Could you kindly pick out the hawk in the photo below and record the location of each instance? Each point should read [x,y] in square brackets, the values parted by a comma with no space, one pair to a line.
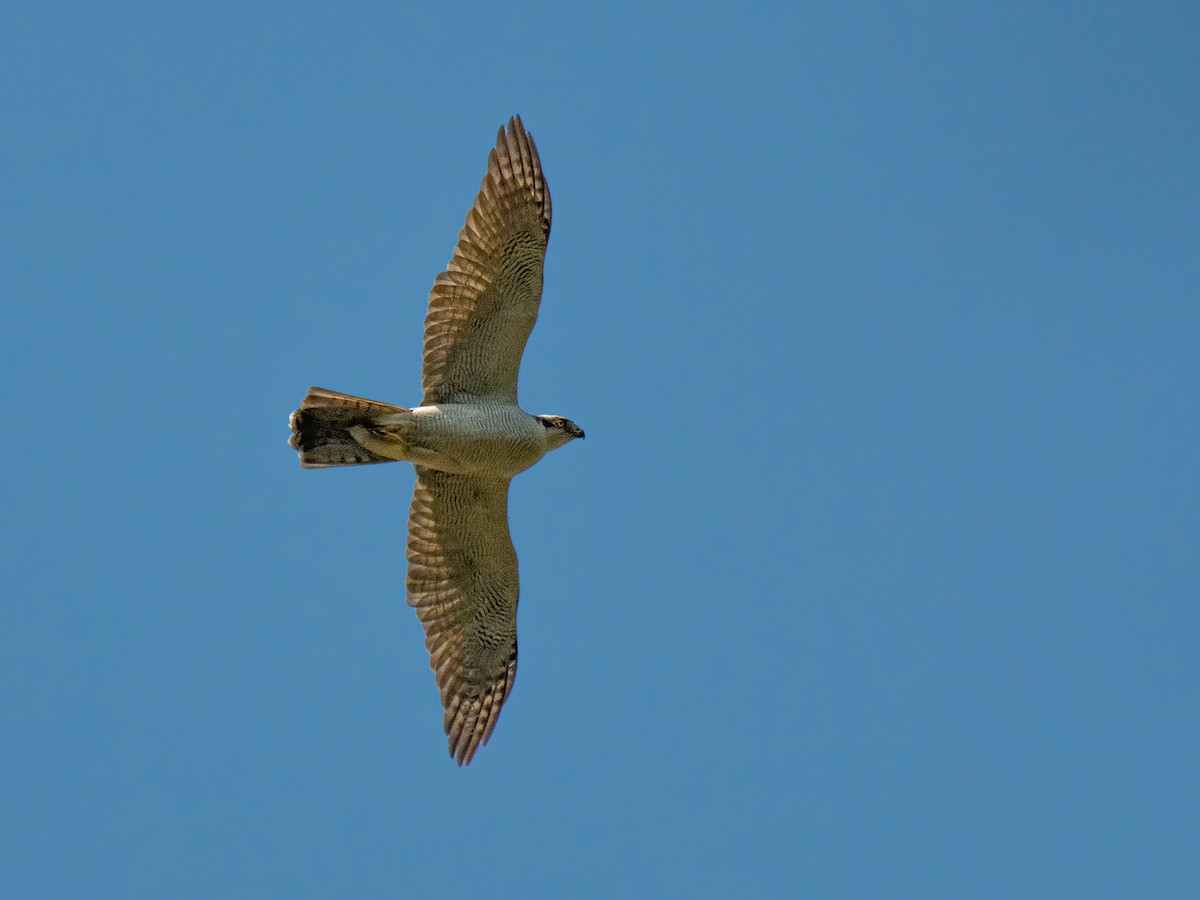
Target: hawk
[466,440]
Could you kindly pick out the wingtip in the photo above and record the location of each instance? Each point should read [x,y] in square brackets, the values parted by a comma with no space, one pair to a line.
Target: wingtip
[513,131]
[463,747]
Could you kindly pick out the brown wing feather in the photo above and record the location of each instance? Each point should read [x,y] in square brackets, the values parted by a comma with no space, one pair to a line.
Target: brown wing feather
[462,580]
[482,308]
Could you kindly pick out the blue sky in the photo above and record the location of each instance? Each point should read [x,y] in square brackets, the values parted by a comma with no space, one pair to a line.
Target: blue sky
[877,575]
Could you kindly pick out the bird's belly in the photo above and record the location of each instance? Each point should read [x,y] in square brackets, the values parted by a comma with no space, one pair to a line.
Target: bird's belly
[475,440]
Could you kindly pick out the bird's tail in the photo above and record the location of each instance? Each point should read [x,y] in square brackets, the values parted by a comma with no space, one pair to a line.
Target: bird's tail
[321,428]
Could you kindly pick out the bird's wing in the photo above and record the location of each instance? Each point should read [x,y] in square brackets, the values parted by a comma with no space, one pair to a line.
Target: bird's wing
[462,580]
[482,308]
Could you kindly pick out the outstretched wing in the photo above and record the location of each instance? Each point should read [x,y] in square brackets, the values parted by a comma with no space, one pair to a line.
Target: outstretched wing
[462,579]
[482,308]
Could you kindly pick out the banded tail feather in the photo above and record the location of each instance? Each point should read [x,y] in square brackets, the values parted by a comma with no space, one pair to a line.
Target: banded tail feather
[321,428]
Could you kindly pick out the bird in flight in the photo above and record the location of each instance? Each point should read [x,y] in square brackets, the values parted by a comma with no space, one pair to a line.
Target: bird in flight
[466,440]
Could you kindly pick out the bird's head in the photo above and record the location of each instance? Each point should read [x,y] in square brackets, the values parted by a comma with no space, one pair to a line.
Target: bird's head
[559,430]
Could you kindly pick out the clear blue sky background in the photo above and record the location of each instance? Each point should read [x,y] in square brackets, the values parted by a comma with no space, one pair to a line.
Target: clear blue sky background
[876,577]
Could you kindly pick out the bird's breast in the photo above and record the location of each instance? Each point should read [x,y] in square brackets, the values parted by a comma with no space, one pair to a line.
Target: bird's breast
[488,439]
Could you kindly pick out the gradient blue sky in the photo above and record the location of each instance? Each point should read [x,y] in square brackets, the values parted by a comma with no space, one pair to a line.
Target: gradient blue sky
[876,577]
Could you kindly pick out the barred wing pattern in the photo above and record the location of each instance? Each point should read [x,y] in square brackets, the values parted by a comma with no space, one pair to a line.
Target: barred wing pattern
[482,308]
[462,580]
